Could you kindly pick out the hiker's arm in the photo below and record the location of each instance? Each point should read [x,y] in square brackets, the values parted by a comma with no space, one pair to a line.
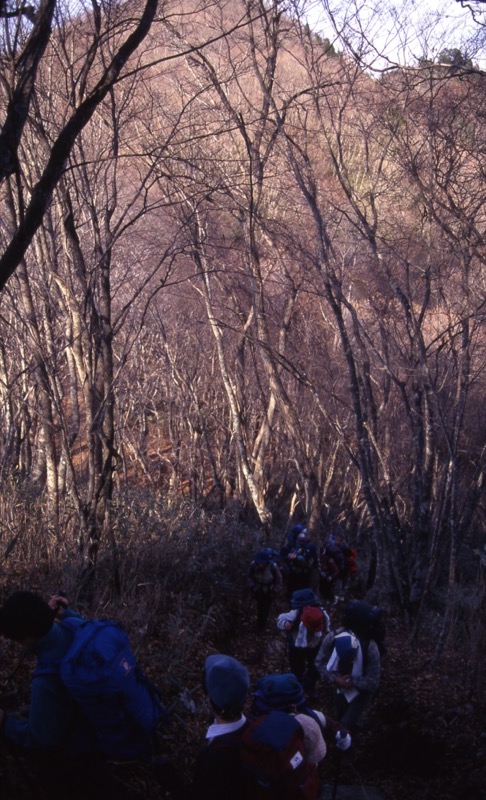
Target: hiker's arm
[59,604]
[250,582]
[337,734]
[370,681]
[333,732]
[278,578]
[323,657]
[286,621]
[327,621]
[333,569]
[47,724]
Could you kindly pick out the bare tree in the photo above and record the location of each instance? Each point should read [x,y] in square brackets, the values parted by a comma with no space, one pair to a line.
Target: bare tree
[23,61]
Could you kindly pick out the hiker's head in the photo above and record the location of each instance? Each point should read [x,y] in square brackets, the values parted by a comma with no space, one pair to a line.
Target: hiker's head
[303,597]
[352,621]
[303,537]
[278,692]
[262,558]
[25,617]
[296,529]
[227,683]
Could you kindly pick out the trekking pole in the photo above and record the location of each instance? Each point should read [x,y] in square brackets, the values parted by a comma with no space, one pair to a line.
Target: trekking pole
[336,777]
[361,783]
[284,656]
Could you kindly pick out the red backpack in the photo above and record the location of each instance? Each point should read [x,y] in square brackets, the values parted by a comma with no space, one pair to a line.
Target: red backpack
[313,619]
[273,760]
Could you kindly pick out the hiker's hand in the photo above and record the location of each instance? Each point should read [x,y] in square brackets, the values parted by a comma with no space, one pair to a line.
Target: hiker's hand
[344,682]
[343,740]
[287,626]
[58,603]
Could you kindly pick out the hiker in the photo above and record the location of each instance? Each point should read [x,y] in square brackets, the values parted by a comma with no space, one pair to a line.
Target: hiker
[348,565]
[301,564]
[59,736]
[332,569]
[283,692]
[352,570]
[264,583]
[329,572]
[292,538]
[245,757]
[350,659]
[305,625]
[217,767]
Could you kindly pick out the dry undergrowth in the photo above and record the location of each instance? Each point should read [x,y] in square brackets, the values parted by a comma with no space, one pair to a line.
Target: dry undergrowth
[179,590]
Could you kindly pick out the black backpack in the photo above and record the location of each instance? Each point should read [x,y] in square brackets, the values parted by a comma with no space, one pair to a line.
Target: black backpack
[367,622]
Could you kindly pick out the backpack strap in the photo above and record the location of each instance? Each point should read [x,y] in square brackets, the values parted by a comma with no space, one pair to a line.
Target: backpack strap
[49,665]
[364,643]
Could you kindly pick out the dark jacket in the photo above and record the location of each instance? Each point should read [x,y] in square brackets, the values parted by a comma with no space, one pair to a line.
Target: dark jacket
[53,721]
[217,769]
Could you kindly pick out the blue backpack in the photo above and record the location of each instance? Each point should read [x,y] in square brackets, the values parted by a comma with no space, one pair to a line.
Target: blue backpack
[100,673]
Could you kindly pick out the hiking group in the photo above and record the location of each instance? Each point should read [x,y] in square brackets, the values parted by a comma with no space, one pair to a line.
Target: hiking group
[91,705]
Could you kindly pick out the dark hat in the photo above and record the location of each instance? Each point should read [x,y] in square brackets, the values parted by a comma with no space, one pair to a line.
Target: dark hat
[25,615]
[297,529]
[303,597]
[263,556]
[227,682]
[279,692]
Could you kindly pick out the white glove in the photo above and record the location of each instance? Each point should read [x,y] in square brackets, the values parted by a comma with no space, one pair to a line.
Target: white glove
[343,740]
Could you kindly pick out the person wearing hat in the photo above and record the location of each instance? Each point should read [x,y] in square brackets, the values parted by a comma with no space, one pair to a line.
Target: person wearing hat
[216,771]
[54,738]
[352,666]
[64,751]
[305,625]
[28,619]
[283,692]
[301,564]
[264,583]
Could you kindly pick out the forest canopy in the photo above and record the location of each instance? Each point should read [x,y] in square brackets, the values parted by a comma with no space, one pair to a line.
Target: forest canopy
[240,269]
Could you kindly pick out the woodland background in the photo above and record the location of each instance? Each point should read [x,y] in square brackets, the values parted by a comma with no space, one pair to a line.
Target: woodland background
[243,284]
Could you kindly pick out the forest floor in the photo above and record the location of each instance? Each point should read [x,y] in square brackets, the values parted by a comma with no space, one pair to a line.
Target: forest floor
[425,734]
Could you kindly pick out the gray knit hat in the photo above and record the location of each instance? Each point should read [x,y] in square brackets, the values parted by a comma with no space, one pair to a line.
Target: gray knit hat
[227,682]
